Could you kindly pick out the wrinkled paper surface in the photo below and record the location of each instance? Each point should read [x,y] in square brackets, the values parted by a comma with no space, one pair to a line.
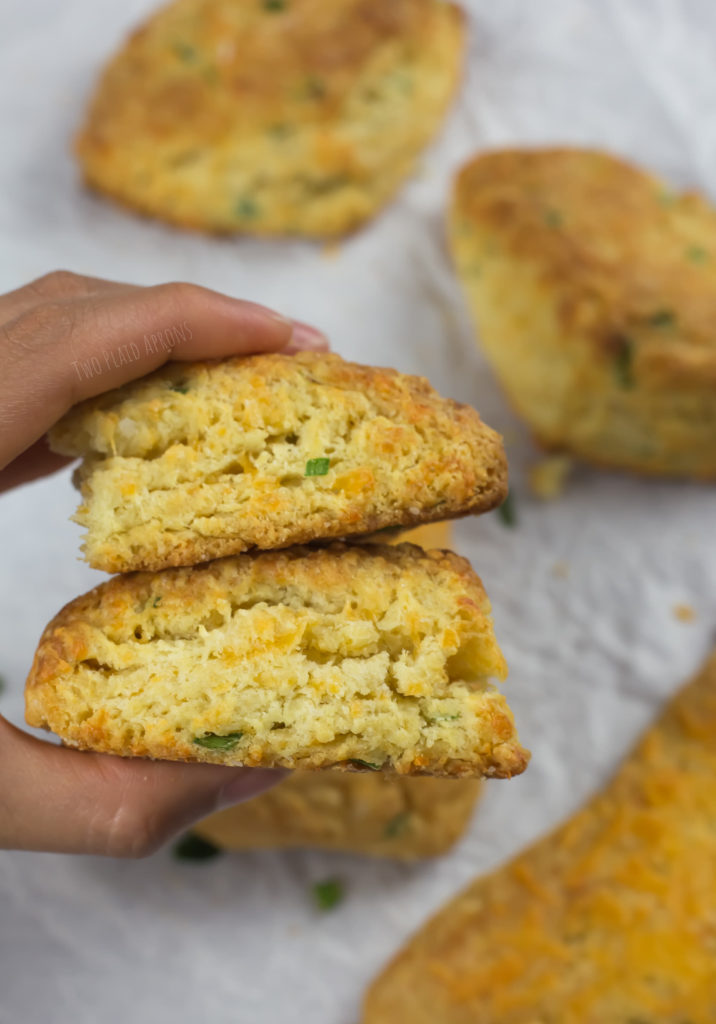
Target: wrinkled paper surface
[592,653]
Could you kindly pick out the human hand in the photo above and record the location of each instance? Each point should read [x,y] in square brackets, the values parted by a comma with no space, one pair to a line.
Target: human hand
[64,338]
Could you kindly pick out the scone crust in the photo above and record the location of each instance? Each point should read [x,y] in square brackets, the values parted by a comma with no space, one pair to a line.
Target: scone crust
[593,287]
[400,454]
[609,919]
[146,663]
[372,814]
[273,117]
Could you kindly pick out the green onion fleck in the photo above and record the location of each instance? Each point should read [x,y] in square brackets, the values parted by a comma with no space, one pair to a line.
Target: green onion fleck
[3,685]
[184,52]
[667,198]
[193,847]
[328,894]
[315,88]
[507,511]
[662,318]
[280,130]
[157,601]
[624,363]
[696,254]
[211,741]
[398,825]
[274,5]
[180,387]
[247,208]
[444,718]
[553,219]
[317,467]
[364,764]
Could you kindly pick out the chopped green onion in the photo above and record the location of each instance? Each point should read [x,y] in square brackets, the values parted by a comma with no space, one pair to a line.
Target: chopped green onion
[211,741]
[193,847]
[328,894]
[157,601]
[317,467]
[247,208]
[553,219]
[274,5]
[181,387]
[3,684]
[696,254]
[398,825]
[184,52]
[444,718]
[315,88]
[624,363]
[280,130]
[364,764]
[662,318]
[507,511]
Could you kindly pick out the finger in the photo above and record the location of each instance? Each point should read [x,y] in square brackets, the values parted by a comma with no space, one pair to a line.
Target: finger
[57,354]
[60,285]
[38,461]
[35,462]
[64,801]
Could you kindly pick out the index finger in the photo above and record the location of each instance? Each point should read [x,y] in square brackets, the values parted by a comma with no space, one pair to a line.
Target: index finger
[59,353]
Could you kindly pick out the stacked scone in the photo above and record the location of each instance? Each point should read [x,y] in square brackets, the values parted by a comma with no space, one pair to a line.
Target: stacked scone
[292,647]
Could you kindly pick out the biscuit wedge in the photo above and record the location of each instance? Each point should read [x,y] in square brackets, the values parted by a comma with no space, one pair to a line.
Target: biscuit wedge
[610,919]
[358,658]
[593,288]
[373,814]
[271,117]
[201,460]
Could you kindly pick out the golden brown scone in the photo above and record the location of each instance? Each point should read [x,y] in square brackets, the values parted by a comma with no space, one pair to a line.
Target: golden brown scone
[373,814]
[352,657]
[593,286]
[201,460]
[610,920]
[271,117]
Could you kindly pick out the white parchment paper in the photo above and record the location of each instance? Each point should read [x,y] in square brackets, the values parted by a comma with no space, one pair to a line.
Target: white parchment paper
[592,653]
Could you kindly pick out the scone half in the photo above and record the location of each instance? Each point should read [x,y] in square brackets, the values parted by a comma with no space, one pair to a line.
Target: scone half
[201,460]
[365,658]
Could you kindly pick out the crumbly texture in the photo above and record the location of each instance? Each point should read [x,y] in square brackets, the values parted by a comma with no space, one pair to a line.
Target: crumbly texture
[365,658]
[593,287]
[271,117]
[610,920]
[374,814]
[201,460]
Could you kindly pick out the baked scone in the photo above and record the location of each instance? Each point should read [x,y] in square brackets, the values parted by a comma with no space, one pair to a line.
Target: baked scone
[271,117]
[593,286]
[367,658]
[378,815]
[201,460]
[610,920]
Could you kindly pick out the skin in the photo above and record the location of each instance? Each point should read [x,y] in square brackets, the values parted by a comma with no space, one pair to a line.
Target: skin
[51,798]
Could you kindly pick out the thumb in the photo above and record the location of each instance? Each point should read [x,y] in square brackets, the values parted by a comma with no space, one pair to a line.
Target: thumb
[64,801]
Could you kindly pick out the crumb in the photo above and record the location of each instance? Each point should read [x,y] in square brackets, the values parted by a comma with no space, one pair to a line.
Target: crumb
[331,250]
[548,476]
[560,570]
[684,612]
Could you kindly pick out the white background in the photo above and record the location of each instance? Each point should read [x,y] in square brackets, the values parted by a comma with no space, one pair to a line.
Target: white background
[592,655]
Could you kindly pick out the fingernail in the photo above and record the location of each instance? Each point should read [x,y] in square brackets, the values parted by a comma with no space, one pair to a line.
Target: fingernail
[305,338]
